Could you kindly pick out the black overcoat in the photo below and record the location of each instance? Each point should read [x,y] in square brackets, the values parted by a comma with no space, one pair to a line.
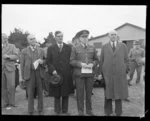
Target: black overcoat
[59,61]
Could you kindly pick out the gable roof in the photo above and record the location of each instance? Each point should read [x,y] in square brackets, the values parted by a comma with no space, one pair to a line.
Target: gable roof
[125,24]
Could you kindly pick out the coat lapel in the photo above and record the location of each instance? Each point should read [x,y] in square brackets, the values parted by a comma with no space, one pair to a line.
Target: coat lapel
[110,48]
[117,47]
[29,52]
[63,49]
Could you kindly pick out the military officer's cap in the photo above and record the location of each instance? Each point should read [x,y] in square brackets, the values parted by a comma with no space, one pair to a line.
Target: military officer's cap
[136,43]
[81,33]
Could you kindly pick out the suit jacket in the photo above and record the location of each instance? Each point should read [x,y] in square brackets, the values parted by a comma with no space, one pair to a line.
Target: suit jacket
[9,64]
[59,61]
[26,62]
[80,54]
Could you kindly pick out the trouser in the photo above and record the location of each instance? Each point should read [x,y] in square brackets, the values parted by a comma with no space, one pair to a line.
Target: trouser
[35,93]
[8,88]
[61,104]
[32,83]
[81,84]
[108,107]
[138,68]
[16,77]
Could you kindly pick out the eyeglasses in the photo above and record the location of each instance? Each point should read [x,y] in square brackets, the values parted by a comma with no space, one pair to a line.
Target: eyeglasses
[84,36]
[32,38]
[60,36]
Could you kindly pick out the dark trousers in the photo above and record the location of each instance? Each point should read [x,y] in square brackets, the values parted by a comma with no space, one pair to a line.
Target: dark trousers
[135,67]
[61,104]
[32,83]
[8,88]
[16,77]
[108,107]
[81,85]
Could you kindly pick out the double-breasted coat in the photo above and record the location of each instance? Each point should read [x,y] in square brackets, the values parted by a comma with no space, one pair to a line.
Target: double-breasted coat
[114,65]
[59,61]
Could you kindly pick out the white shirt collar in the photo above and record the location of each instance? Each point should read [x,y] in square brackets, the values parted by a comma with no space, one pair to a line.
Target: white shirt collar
[84,44]
[112,43]
[32,48]
[60,44]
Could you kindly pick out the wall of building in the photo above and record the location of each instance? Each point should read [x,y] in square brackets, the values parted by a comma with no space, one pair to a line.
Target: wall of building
[126,33]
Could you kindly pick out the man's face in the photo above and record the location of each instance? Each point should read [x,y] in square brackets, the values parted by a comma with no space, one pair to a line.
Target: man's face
[113,37]
[83,39]
[32,41]
[4,39]
[48,44]
[59,38]
[136,46]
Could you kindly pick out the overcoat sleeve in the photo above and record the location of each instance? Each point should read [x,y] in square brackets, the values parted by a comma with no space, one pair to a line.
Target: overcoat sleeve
[101,60]
[126,58]
[22,63]
[49,60]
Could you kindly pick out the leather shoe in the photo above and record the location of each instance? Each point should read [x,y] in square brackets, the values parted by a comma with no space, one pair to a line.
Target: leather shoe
[90,114]
[31,113]
[80,113]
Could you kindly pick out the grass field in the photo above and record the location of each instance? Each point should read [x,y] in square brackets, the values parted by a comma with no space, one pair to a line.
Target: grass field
[134,108]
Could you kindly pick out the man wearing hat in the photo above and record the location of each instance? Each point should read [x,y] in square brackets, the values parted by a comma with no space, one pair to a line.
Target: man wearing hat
[135,55]
[113,65]
[83,59]
[9,56]
[30,62]
[58,57]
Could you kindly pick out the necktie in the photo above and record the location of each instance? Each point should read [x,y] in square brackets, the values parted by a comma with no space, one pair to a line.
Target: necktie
[85,46]
[60,47]
[113,46]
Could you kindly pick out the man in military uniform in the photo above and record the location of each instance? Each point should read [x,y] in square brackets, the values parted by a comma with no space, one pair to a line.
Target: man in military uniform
[82,56]
[135,55]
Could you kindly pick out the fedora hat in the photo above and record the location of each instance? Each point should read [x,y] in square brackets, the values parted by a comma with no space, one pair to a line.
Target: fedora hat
[55,80]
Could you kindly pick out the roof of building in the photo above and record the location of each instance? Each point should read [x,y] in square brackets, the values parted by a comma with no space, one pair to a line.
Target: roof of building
[125,24]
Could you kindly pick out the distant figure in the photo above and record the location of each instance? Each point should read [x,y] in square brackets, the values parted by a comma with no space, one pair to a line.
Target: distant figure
[135,55]
[113,64]
[45,80]
[9,56]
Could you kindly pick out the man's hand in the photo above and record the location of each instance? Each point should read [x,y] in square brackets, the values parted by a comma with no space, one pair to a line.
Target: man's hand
[99,77]
[5,56]
[91,64]
[41,61]
[83,64]
[54,72]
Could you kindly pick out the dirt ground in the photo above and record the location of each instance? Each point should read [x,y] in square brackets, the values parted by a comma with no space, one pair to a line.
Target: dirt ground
[134,108]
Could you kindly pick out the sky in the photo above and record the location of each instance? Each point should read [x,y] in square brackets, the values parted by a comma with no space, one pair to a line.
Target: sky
[42,19]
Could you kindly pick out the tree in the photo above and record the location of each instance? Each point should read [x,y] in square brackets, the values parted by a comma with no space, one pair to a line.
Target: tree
[49,39]
[18,38]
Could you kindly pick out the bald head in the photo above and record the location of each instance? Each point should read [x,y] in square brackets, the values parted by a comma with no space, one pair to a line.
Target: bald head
[113,35]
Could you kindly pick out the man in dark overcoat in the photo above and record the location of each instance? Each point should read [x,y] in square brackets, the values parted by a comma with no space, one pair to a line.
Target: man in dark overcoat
[114,63]
[58,58]
[30,63]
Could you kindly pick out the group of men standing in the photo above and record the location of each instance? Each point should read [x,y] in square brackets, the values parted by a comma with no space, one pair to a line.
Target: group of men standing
[76,63]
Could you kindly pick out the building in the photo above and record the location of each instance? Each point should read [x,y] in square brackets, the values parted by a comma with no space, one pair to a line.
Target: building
[127,33]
